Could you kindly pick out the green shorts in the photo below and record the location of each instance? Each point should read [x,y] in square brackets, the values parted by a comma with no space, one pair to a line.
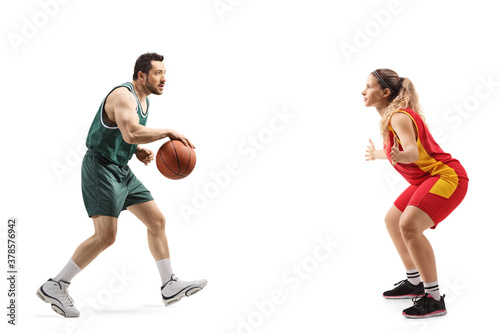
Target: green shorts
[108,188]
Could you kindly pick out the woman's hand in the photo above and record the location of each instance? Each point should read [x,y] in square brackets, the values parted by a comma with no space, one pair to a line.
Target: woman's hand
[373,154]
[395,153]
[370,151]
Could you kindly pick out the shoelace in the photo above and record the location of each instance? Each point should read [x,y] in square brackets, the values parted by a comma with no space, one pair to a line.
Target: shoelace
[421,301]
[400,283]
[173,278]
[65,291]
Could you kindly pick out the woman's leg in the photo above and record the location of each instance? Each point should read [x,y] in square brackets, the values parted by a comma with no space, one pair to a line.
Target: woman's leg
[413,223]
[392,221]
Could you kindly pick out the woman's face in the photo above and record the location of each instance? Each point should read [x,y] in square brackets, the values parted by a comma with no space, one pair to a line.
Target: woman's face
[373,95]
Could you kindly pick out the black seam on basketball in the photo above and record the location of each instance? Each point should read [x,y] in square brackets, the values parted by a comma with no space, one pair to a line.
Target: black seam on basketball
[176,174]
[176,157]
[189,160]
[164,162]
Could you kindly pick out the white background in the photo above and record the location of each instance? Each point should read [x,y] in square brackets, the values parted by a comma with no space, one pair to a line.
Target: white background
[228,73]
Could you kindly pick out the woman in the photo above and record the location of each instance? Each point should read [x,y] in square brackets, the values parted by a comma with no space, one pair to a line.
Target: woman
[438,184]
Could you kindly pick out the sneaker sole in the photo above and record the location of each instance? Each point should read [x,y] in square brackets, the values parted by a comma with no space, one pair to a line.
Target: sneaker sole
[409,296]
[54,307]
[181,294]
[433,314]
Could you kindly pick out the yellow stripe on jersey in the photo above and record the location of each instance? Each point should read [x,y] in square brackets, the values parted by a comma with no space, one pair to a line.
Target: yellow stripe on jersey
[448,180]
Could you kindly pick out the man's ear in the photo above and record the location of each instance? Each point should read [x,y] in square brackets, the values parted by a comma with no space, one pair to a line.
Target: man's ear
[141,75]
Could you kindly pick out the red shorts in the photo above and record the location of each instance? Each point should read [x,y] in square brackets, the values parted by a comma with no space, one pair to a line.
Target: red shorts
[436,206]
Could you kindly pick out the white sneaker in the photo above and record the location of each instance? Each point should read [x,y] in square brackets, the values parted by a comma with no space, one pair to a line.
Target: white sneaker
[56,293]
[175,289]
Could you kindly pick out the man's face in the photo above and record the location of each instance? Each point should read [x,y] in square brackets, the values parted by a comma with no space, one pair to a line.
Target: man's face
[155,79]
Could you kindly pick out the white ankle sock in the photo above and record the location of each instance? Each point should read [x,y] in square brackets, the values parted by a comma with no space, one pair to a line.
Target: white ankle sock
[413,276]
[68,272]
[165,269]
[432,288]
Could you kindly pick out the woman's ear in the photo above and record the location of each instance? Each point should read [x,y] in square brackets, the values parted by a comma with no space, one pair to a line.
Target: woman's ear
[387,93]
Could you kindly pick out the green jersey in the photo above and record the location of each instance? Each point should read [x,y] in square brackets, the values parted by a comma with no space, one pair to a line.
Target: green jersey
[107,140]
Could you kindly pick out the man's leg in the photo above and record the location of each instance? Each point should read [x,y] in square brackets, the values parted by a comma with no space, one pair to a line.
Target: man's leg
[103,237]
[149,214]
[172,289]
[55,291]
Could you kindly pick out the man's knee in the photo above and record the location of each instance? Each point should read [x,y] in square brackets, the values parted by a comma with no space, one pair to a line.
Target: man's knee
[157,226]
[106,238]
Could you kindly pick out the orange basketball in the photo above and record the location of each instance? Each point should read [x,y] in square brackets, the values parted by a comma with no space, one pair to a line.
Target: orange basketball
[175,160]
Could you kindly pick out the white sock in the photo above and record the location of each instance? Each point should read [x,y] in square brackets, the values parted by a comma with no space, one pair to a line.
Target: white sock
[413,276]
[165,269]
[432,288]
[68,272]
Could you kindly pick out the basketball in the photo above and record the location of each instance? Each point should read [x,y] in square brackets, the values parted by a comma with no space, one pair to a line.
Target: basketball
[175,160]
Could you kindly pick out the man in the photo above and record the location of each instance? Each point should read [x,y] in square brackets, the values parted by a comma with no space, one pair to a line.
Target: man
[109,186]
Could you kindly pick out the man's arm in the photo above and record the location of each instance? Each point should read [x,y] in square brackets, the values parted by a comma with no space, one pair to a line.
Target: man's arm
[123,105]
[126,118]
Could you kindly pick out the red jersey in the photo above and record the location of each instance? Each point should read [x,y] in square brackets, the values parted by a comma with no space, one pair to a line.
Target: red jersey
[432,161]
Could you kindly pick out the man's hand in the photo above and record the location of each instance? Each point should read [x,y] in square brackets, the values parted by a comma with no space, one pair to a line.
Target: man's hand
[144,155]
[174,135]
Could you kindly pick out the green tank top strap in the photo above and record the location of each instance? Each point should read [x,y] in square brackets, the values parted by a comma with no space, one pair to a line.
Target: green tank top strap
[107,139]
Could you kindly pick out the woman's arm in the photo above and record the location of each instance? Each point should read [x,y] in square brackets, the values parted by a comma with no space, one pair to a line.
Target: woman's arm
[403,127]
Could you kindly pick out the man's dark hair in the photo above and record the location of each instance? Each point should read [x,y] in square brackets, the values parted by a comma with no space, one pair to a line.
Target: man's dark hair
[143,63]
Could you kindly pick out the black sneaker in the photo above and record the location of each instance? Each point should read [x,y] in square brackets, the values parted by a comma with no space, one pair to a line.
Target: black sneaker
[425,306]
[405,290]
